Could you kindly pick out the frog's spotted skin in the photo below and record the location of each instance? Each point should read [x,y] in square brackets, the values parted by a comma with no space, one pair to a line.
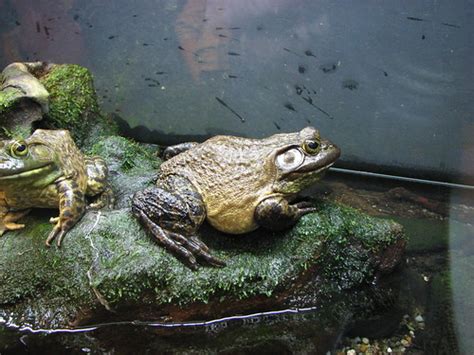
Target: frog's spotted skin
[238,184]
[47,170]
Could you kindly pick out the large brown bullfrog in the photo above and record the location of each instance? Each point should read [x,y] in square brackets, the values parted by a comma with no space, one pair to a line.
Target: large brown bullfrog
[47,170]
[238,184]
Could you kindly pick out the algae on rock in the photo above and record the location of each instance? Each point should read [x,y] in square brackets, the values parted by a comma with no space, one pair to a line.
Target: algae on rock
[73,103]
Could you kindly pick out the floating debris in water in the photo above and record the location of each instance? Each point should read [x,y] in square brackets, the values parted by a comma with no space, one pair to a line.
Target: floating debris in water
[230,109]
[299,90]
[290,51]
[153,80]
[450,25]
[328,68]
[290,106]
[301,69]
[350,84]
[233,53]
[111,37]
[414,18]
[309,53]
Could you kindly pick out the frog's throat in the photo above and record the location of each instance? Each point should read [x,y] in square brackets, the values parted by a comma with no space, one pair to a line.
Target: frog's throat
[41,171]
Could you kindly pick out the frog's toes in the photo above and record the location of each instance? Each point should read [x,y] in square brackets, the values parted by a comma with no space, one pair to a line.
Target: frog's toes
[58,233]
[10,226]
[197,248]
[59,230]
[105,200]
[173,242]
[54,220]
[8,221]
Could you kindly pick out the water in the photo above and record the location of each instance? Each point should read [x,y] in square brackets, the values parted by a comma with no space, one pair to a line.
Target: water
[426,300]
[361,72]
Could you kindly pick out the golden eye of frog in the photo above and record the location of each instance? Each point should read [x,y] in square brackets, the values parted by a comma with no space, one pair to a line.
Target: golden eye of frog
[47,170]
[238,184]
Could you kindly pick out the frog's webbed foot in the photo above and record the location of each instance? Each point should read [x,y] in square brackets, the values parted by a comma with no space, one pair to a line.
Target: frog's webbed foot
[104,200]
[98,186]
[8,221]
[187,249]
[276,213]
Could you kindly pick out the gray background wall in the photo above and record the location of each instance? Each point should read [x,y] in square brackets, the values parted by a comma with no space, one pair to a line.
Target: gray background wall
[391,82]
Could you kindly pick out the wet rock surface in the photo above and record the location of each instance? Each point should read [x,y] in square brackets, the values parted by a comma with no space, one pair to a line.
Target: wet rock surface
[109,269]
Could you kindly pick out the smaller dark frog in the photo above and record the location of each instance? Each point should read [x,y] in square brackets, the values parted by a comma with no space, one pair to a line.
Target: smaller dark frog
[237,184]
[47,170]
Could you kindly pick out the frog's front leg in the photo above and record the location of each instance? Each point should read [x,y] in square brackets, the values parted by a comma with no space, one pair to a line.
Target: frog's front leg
[276,213]
[8,219]
[97,184]
[71,208]
[173,150]
[173,219]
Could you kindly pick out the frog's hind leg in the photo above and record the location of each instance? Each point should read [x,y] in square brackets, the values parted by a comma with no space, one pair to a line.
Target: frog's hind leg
[173,218]
[8,219]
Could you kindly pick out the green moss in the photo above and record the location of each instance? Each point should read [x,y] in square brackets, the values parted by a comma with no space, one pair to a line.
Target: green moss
[7,98]
[132,156]
[18,133]
[73,103]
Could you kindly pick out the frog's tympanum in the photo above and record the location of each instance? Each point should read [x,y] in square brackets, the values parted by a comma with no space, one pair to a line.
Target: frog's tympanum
[238,184]
[47,170]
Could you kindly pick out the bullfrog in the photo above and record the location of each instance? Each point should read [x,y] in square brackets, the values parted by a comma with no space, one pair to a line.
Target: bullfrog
[237,184]
[47,170]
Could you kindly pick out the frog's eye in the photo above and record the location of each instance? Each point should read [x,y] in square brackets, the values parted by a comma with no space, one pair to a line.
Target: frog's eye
[311,146]
[290,159]
[19,149]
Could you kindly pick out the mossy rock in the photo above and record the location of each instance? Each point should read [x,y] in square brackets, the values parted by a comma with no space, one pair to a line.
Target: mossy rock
[73,103]
[109,268]
[23,99]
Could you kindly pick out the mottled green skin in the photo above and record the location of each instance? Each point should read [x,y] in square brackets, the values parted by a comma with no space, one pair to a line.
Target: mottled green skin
[237,184]
[48,172]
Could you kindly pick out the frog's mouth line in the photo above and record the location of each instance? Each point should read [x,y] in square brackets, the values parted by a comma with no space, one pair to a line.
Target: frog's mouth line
[29,173]
[309,171]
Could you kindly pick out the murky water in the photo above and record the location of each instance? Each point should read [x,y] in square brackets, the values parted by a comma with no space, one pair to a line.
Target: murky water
[424,307]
